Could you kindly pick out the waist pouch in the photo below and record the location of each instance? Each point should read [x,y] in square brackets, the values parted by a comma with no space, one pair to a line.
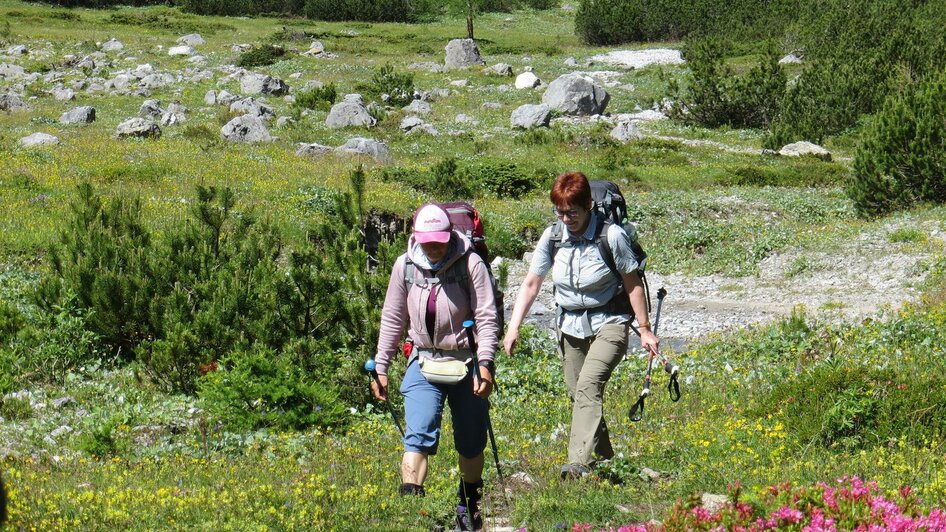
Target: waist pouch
[438,369]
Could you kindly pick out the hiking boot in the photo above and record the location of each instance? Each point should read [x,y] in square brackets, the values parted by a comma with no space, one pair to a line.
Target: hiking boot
[574,471]
[412,489]
[468,510]
[467,519]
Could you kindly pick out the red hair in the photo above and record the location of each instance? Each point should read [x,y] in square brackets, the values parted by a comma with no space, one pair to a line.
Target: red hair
[571,188]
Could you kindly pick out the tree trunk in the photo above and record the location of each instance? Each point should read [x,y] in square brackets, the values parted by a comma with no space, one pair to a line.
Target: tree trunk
[469,27]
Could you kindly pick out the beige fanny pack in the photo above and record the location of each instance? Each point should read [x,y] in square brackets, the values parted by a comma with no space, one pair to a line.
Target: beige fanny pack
[442,370]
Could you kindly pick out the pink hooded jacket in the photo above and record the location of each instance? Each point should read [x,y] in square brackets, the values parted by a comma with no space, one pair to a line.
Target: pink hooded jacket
[405,307]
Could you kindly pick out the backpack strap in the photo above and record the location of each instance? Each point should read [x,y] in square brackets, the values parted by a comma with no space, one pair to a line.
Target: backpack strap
[453,274]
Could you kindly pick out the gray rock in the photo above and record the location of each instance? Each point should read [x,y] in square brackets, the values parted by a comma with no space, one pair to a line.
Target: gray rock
[527,80]
[78,115]
[575,94]
[38,139]
[63,94]
[492,105]
[466,119]
[11,72]
[112,45]
[18,49]
[284,120]
[226,98]
[571,62]
[210,97]
[191,39]
[713,502]
[12,101]
[349,113]
[418,107]
[156,81]
[246,128]
[429,66]
[312,84]
[501,69]
[60,431]
[63,401]
[251,107]
[626,131]
[463,53]
[312,150]
[413,125]
[138,128]
[363,146]
[529,116]
[263,84]
[790,59]
[150,109]
[181,50]
[439,94]
[459,83]
[121,81]
[801,148]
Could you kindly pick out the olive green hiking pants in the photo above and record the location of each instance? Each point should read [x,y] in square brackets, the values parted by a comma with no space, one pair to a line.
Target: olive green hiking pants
[588,364]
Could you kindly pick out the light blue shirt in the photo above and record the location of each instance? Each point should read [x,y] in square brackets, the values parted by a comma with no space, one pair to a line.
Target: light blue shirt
[582,278]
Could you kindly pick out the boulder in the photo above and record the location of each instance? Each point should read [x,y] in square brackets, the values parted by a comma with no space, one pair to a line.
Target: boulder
[500,69]
[413,125]
[284,121]
[226,98]
[312,150]
[150,109]
[527,80]
[574,94]
[191,39]
[263,84]
[156,81]
[251,107]
[418,107]
[18,49]
[38,139]
[78,115]
[112,45]
[463,53]
[12,101]
[11,72]
[790,59]
[363,146]
[349,113]
[173,115]
[529,116]
[210,97]
[801,148]
[64,95]
[181,50]
[246,128]
[138,128]
[626,131]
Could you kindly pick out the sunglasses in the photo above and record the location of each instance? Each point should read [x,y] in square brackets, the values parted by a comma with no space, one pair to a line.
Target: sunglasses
[571,213]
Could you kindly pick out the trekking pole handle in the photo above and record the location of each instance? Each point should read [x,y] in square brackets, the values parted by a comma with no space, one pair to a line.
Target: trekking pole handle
[471,340]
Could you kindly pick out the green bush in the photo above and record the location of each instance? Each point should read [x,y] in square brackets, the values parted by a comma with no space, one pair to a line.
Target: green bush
[320,98]
[242,7]
[365,10]
[262,388]
[901,159]
[266,54]
[399,86]
[501,179]
[715,95]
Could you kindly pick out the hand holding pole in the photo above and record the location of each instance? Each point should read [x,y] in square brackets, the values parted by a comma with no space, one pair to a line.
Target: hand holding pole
[370,367]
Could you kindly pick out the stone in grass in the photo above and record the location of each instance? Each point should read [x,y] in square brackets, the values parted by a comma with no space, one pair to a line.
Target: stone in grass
[530,116]
[38,139]
[112,45]
[363,146]
[575,94]
[191,39]
[137,128]
[263,84]
[418,107]
[802,148]
[12,101]
[181,50]
[413,125]
[349,113]
[246,128]
[150,109]
[312,150]
[500,69]
[64,95]
[463,53]
[713,502]
[626,131]
[527,80]
[251,107]
[84,114]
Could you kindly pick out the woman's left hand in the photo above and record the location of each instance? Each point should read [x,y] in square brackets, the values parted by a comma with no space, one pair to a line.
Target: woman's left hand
[649,340]
[483,386]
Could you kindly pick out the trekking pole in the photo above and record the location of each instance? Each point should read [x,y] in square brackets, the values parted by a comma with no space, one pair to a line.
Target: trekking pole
[636,413]
[370,366]
[468,325]
[673,387]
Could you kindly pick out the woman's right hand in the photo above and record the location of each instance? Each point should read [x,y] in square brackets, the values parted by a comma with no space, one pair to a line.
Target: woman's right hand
[380,393]
[510,341]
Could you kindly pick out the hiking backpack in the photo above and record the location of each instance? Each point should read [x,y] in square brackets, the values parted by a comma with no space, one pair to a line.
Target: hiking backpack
[465,220]
[611,207]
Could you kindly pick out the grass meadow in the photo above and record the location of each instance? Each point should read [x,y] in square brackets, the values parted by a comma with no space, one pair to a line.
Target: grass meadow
[800,401]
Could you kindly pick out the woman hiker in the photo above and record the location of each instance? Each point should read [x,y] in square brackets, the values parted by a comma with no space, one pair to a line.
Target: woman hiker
[437,285]
[595,311]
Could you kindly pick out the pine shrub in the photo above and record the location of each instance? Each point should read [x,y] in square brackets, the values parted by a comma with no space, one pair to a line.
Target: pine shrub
[901,159]
[317,98]
[364,10]
[266,54]
[715,95]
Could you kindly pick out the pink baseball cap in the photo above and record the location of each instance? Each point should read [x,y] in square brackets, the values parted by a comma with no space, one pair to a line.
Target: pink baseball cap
[431,224]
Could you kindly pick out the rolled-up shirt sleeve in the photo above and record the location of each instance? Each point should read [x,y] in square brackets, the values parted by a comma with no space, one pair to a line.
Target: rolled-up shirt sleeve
[620,241]
[541,258]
